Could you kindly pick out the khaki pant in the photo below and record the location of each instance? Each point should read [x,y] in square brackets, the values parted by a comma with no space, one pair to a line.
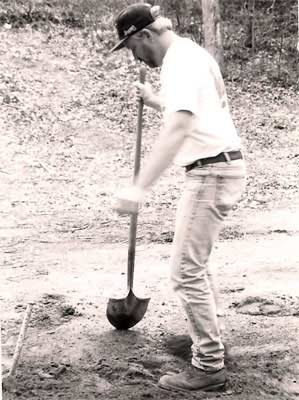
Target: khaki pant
[210,193]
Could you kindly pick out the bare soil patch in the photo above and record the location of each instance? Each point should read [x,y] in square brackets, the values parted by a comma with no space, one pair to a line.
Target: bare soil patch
[67,138]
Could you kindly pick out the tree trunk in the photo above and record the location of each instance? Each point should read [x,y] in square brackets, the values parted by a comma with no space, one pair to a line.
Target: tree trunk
[250,39]
[298,28]
[212,29]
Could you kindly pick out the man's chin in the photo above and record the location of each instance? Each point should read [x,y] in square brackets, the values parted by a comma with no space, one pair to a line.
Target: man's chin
[151,64]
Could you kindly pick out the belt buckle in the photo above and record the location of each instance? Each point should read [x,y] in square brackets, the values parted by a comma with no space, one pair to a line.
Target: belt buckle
[199,163]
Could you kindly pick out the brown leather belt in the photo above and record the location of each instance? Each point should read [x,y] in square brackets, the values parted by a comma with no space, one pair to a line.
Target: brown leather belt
[222,157]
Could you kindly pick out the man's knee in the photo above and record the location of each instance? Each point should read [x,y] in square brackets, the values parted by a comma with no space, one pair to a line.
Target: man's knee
[189,279]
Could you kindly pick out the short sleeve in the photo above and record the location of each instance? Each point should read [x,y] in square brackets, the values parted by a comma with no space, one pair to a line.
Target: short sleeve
[183,82]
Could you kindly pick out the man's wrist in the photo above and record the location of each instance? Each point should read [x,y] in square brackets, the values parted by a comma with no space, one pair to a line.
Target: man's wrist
[138,193]
[133,193]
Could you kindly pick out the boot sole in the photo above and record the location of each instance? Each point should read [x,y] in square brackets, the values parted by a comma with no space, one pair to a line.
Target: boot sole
[210,388]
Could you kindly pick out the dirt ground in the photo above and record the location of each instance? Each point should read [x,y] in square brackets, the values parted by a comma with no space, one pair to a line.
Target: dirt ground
[67,128]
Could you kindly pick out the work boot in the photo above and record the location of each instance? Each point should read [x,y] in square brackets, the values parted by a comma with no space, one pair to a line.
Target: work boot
[194,379]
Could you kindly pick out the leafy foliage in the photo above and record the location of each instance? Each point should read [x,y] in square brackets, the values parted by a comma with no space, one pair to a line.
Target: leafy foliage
[272,25]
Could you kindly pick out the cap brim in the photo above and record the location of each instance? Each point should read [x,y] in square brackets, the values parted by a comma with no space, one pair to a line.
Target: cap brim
[119,45]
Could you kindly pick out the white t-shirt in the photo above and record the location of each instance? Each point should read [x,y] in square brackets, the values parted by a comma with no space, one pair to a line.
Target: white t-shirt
[191,81]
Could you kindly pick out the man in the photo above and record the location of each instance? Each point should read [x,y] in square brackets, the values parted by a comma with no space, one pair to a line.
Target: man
[198,135]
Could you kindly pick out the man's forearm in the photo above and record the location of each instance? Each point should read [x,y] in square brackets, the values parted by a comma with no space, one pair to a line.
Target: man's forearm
[161,156]
[163,152]
[156,103]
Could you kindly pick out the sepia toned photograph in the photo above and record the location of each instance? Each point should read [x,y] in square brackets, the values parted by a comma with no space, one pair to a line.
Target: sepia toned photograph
[149,201]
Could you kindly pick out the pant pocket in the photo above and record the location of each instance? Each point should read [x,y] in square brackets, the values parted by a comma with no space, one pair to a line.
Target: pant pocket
[229,192]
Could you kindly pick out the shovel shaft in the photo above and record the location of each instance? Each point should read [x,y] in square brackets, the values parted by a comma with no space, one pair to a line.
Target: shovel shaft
[131,250]
[134,217]
[139,128]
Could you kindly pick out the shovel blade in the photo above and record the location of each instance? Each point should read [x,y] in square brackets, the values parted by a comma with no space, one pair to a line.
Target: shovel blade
[124,313]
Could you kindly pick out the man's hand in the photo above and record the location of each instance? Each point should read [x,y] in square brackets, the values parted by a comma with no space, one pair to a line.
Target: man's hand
[128,200]
[146,93]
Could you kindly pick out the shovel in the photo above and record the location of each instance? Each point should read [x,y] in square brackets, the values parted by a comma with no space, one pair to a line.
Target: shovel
[127,312]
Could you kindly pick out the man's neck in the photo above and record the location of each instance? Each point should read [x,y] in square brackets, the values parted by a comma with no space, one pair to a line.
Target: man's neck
[167,38]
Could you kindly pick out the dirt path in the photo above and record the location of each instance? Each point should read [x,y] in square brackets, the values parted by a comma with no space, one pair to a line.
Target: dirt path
[64,148]
[71,344]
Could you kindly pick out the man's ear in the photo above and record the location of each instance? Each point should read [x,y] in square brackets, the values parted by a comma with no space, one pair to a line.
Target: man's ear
[147,34]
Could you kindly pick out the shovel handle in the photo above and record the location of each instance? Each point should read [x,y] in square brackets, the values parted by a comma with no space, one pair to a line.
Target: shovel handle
[133,218]
[139,127]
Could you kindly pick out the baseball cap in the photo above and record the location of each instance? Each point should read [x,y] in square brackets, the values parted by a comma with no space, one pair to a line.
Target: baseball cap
[133,19]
